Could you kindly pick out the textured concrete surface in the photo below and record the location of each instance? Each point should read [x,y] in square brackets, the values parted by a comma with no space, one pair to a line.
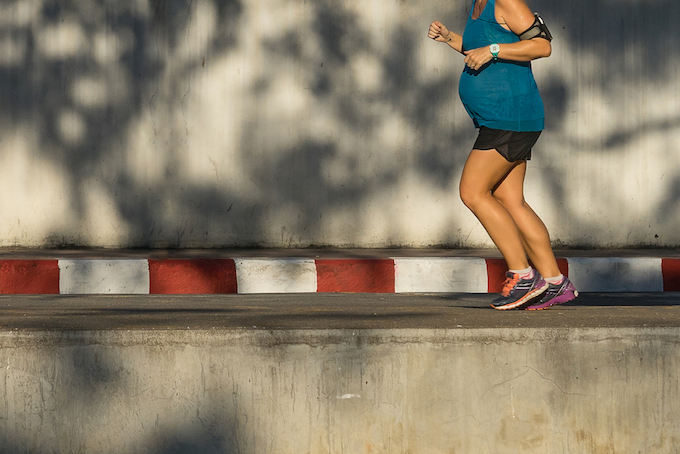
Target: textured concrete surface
[338,374]
[210,123]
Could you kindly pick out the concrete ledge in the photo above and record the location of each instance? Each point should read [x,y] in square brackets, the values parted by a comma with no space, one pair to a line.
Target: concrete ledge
[552,390]
[307,275]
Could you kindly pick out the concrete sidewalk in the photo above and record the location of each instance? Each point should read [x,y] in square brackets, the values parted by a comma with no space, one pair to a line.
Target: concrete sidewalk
[313,311]
[247,271]
[337,374]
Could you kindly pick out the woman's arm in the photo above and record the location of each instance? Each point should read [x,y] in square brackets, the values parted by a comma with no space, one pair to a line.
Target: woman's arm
[441,34]
[528,50]
[516,16]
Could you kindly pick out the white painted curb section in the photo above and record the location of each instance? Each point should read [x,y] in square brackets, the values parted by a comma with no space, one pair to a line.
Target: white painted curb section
[265,275]
[440,275]
[95,276]
[616,274]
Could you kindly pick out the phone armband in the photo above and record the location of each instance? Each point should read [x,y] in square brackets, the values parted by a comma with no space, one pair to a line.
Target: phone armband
[537,30]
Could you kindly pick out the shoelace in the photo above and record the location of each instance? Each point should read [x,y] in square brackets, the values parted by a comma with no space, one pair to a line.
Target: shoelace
[509,284]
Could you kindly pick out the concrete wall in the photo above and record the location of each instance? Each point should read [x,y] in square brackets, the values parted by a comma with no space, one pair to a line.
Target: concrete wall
[558,391]
[204,123]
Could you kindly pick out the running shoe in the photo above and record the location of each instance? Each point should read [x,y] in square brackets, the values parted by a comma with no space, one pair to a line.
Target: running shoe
[518,292]
[556,294]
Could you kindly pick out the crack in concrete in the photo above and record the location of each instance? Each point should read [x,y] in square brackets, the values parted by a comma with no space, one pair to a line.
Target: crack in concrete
[509,380]
[528,369]
[558,386]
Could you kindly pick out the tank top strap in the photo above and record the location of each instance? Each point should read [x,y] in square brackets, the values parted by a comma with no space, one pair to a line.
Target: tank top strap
[489,12]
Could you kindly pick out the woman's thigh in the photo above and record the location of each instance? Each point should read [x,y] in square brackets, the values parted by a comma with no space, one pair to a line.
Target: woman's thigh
[484,172]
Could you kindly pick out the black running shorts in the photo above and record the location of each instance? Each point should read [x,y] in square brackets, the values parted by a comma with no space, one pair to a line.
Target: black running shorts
[513,146]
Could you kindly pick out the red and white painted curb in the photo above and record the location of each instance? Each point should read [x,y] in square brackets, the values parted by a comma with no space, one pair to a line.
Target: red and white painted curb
[300,275]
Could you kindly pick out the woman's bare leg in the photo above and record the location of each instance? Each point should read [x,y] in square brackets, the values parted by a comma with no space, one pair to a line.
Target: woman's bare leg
[534,234]
[484,171]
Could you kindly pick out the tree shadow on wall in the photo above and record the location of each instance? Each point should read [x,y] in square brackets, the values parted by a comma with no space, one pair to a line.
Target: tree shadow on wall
[625,53]
[396,122]
[608,29]
[620,47]
[84,76]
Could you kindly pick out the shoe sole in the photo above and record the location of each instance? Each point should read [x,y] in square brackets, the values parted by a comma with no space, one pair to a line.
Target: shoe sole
[522,301]
[538,308]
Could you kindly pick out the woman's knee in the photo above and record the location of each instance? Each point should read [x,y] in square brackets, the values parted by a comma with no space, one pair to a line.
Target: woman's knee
[465,193]
[472,196]
[483,171]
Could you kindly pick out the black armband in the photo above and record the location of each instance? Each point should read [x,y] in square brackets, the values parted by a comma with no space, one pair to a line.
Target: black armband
[537,30]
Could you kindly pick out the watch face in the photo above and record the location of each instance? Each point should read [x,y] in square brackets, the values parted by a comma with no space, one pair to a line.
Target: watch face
[494,48]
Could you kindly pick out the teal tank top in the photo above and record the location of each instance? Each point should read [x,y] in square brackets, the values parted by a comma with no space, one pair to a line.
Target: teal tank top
[502,94]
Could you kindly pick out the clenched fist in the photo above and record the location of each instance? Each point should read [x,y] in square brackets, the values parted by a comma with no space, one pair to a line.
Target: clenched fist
[439,32]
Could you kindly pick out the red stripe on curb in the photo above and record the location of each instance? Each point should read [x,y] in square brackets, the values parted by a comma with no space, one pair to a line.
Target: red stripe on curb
[495,274]
[496,269]
[670,268]
[29,277]
[355,276]
[197,276]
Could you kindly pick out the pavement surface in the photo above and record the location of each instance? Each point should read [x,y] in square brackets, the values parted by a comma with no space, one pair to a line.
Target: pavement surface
[327,311]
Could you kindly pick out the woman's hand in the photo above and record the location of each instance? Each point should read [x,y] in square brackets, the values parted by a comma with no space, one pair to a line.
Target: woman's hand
[476,58]
[439,32]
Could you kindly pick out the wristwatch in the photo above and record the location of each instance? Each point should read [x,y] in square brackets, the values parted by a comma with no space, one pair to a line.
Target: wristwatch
[494,49]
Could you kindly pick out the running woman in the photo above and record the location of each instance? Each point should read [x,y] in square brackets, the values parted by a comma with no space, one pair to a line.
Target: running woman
[499,92]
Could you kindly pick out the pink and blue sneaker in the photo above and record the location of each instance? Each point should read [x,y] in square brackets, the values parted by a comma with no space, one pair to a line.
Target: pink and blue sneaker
[519,292]
[556,294]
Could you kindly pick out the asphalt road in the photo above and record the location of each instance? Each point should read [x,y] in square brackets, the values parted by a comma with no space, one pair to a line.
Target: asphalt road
[327,311]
